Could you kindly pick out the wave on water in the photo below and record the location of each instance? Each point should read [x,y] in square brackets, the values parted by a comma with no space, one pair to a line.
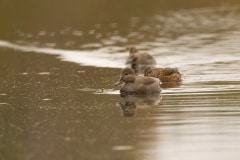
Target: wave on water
[97,58]
[184,39]
[224,51]
[205,48]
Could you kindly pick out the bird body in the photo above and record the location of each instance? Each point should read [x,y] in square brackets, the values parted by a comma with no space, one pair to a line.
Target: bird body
[164,74]
[139,60]
[137,84]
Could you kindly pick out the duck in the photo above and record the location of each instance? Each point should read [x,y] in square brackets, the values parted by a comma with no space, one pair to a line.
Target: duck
[139,60]
[135,84]
[165,75]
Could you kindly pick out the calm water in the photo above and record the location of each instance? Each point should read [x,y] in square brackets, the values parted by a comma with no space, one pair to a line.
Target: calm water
[60,59]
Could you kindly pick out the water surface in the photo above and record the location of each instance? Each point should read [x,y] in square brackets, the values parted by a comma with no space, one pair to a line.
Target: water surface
[57,98]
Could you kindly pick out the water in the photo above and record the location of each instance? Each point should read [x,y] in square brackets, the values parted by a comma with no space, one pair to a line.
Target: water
[57,98]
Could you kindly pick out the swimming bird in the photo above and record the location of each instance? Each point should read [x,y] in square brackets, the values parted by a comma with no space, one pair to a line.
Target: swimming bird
[137,84]
[164,74]
[139,60]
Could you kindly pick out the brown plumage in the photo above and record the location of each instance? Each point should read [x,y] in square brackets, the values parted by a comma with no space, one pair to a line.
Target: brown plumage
[164,74]
[139,61]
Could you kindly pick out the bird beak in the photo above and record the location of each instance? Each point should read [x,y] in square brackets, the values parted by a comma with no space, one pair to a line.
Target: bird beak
[118,82]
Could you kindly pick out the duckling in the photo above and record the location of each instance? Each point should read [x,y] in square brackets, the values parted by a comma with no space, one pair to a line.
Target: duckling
[137,84]
[139,61]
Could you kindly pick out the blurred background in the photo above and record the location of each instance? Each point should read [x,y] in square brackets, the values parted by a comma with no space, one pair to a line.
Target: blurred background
[89,24]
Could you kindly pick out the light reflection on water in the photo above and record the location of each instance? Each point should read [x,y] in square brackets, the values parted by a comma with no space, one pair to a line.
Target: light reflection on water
[213,120]
[198,120]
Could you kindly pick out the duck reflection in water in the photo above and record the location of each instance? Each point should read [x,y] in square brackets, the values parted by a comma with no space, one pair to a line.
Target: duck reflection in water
[132,102]
[137,91]
[128,109]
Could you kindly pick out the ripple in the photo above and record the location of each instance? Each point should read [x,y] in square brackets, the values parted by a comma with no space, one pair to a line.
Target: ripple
[203,43]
